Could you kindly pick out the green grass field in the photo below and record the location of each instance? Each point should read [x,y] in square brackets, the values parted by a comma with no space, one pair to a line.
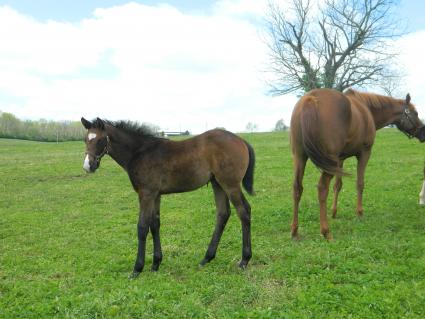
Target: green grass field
[68,241]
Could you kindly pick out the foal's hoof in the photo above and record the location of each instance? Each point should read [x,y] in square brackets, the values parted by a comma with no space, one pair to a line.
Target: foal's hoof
[206,260]
[243,264]
[134,275]
[155,267]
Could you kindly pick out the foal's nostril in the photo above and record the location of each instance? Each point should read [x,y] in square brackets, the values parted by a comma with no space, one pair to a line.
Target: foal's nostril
[94,165]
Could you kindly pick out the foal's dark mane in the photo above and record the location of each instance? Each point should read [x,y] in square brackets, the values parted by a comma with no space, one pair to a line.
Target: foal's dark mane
[373,100]
[134,129]
[142,136]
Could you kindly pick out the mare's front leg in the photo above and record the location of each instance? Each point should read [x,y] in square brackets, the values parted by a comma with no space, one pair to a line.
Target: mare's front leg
[323,190]
[362,160]
[147,207]
[422,193]
[337,189]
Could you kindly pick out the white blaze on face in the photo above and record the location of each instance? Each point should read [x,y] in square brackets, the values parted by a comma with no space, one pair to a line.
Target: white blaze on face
[91,136]
[422,195]
[86,164]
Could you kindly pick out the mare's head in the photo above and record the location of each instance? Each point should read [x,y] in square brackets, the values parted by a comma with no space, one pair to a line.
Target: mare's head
[409,122]
[97,144]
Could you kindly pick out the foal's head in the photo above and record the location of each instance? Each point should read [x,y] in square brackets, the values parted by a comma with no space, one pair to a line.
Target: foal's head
[97,144]
[409,122]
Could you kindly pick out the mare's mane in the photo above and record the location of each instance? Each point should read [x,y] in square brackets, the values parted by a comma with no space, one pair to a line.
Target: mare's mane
[372,100]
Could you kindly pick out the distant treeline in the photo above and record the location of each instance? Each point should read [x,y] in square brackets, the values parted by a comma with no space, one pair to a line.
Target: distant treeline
[47,131]
[41,130]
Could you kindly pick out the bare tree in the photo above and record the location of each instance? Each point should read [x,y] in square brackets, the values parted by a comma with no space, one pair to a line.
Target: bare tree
[251,127]
[339,44]
[280,126]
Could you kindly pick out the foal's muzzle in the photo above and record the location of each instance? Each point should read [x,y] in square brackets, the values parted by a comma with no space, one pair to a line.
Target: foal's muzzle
[91,164]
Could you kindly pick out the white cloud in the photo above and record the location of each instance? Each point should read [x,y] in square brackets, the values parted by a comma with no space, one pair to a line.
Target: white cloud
[412,47]
[169,68]
[147,63]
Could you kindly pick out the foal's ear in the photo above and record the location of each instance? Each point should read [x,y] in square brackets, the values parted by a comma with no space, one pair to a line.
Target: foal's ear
[87,124]
[100,124]
[407,98]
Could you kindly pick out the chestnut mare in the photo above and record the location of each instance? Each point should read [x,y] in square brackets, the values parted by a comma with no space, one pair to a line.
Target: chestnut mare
[159,166]
[328,126]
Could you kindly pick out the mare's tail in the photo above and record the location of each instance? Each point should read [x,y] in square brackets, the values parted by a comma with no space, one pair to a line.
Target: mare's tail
[248,179]
[312,145]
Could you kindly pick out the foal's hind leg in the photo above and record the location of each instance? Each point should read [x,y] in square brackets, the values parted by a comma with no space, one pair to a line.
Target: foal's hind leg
[337,189]
[299,168]
[244,212]
[223,213]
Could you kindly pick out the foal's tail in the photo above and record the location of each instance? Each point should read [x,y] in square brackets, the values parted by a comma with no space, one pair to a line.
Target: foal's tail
[248,179]
[310,125]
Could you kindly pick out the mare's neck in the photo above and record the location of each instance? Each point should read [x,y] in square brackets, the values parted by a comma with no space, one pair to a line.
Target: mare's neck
[388,113]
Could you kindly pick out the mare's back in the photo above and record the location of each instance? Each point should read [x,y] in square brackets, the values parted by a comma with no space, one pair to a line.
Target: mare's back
[334,114]
[333,109]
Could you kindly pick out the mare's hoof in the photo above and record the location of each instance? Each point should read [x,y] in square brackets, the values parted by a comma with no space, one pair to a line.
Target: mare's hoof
[134,275]
[328,236]
[296,237]
[155,267]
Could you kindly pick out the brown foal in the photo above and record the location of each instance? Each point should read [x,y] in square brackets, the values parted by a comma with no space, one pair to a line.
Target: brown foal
[158,166]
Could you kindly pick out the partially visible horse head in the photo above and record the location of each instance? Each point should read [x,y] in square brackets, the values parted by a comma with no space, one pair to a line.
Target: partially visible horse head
[409,122]
[97,144]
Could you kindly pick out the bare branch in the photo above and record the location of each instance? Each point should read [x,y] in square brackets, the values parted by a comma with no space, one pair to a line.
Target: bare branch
[347,45]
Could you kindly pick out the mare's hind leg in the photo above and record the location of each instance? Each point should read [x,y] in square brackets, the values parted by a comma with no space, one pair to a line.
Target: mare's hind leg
[223,213]
[244,212]
[337,189]
[299,168]
[362,160]
[323,190]
[155,225]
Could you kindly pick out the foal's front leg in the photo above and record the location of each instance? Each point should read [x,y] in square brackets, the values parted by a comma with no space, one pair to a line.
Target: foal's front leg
[155,224]
[147,207]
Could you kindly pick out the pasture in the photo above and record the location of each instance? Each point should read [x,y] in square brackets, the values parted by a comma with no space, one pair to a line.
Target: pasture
[68,241]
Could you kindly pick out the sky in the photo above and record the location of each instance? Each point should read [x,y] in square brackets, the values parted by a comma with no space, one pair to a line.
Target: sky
[181,65]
